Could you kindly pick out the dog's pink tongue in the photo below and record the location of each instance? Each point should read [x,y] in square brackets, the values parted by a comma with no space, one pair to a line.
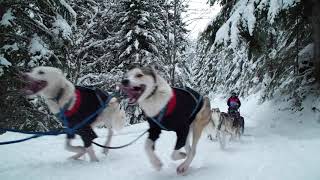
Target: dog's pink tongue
[132,100]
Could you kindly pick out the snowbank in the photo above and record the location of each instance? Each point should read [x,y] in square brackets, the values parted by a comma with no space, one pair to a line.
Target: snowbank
[278,145]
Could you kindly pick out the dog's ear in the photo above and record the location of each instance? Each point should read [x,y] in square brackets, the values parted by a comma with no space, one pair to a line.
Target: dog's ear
[149,70]
[133,65]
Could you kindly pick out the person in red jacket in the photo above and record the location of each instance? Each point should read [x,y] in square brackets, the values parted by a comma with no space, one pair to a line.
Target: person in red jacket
[233,103]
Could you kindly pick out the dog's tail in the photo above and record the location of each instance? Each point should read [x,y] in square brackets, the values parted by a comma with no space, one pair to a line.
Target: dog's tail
[118,119]
[206,113]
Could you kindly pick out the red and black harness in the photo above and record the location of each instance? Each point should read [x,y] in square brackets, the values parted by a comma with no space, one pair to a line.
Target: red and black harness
[89,103]
[177,115]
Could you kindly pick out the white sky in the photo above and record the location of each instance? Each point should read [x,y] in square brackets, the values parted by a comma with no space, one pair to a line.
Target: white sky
[199,15]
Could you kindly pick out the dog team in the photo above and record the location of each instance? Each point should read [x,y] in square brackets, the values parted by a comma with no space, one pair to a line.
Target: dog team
[183,111]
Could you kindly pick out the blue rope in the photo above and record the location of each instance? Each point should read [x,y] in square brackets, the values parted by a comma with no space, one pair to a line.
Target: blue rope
[20,140]
[53,133]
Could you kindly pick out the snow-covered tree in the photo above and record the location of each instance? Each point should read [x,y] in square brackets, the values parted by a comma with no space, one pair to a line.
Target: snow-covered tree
[33,33]
[177,37]
[140,37]
[256,45]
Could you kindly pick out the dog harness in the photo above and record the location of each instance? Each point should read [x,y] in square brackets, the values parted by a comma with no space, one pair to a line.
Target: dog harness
[87,102]
[181,110]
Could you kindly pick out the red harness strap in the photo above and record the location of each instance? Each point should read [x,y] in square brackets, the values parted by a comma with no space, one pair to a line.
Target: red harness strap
[171,104]
[76,105]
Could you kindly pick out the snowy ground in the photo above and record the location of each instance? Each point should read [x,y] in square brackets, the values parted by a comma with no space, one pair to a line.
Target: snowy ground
[277,146]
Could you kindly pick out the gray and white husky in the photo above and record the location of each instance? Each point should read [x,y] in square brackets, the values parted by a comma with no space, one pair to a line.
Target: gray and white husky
[52,85]
[226,125]
[153,94]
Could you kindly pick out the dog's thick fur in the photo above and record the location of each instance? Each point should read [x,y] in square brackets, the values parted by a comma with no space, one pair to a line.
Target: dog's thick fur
[226,125]
[48,81]
[154,95]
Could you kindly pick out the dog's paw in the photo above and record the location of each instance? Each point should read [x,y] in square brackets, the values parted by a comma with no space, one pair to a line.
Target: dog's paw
[94,160]
[76,156]
[157,164]
[178,155]
[182,169]
[105,151]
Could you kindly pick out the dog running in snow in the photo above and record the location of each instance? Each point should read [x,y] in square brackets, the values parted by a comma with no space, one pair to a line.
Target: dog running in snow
[78,102]
[155,96]
[226,125]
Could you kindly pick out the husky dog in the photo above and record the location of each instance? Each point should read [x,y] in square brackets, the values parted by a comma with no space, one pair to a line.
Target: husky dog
[78,103]
[226,124]
[174,109]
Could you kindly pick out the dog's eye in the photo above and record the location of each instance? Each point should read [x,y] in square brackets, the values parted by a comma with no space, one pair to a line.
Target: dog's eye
[139,75]
[40,72]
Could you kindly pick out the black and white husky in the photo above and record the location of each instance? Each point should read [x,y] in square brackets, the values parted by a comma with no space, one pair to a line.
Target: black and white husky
[183,111]
[78,103]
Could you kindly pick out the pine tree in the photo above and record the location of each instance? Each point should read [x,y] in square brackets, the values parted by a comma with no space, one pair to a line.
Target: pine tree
[140,40]
[33,33]
[177,36]
[255,46]
[91,54]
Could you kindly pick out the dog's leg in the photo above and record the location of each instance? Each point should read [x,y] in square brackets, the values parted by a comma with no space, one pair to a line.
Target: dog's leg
[201,121]
[222,139]
[109,137]
[182,137]
[187,146]
[77,149]
[155,161]
[197,129]
[92,154]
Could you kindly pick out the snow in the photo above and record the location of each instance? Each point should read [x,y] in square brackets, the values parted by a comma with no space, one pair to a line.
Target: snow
[306,54]
[275,6]
[61,25]
[38,46]
[278,145]
[4,62]
[13,47]
[198,15]
[136,44]
[69,8]
[243,13]
[6,18]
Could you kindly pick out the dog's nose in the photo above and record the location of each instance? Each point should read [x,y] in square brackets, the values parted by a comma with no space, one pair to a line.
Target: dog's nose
[125,82]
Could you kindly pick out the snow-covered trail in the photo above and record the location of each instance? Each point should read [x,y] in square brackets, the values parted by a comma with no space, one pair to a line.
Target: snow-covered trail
[271,150]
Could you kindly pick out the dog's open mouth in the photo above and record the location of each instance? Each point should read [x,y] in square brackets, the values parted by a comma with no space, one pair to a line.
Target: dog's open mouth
[133,92]
[31,85]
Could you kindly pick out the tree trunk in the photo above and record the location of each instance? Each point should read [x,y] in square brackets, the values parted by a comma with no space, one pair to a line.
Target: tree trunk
[175,42]
[316,37]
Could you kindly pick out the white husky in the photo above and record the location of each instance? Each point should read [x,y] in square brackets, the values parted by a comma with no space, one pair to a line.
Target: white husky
[60,93]
[180,110]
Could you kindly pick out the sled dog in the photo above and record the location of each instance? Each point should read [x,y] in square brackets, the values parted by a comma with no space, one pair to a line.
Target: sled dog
[183,111]
[226,125]
[78,103]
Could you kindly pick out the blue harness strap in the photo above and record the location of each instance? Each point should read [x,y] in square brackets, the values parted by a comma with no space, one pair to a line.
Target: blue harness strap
[159,118]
